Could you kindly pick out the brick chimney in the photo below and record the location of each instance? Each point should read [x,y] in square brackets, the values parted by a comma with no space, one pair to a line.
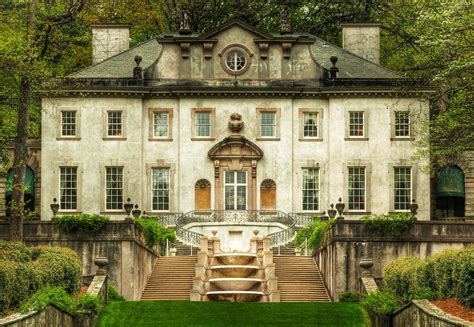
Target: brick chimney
[362,39]
[109,40]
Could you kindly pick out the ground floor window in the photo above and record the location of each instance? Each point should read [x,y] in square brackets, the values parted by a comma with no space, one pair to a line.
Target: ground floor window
[68,188]
[357,188]
[311,189]
[235,190]
[160,189]
[114,188]
[402,188]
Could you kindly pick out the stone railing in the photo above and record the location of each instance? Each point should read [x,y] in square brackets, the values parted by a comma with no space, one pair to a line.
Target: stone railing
[238,216]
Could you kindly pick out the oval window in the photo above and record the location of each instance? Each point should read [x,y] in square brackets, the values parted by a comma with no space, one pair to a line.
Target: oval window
[235,61]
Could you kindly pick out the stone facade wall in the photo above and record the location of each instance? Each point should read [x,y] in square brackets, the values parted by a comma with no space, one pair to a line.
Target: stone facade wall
[362,40]
[350,241]
[421,313]
[109,40]
[130,261]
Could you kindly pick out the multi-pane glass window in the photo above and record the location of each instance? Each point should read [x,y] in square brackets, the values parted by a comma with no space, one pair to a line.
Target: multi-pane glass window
[356,123]
[402,188]
[160,188]
[203,123]
[402,123]
[268,124]
[114,188]
[357,188]
[235,190]
[310,124]
[311,189]
[114,123]
[160,124]
[235,61]
[68,188]
[68,123]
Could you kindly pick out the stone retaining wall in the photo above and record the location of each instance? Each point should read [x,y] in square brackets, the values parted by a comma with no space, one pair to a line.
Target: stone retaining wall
[51,316]
[350,241]
[130,260]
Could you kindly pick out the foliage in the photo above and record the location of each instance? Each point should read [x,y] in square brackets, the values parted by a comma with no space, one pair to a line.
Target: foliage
[348,296]
[114,295]
[187,313]
[316,233]
[89,303]
[154,233]
[392,223]
[23,270]
[445,275]
[82,223]
[49,295]
[381,303]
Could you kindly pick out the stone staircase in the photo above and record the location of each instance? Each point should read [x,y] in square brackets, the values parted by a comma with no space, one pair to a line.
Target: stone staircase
[299,279]
[171,279]
[183,249]
[286,250]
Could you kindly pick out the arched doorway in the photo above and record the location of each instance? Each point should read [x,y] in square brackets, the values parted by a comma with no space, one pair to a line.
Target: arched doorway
[29,189]
[450,196]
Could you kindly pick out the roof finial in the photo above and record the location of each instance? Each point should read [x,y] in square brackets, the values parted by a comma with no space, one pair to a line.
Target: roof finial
[137,71]
[333,70]
[285,21]
[185,23]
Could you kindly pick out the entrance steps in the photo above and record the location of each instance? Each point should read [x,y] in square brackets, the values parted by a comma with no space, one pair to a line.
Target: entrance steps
[171,279]
[299,279]
[183,249]
[286,250]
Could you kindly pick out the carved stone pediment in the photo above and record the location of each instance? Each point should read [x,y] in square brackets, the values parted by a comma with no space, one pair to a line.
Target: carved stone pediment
[235,146]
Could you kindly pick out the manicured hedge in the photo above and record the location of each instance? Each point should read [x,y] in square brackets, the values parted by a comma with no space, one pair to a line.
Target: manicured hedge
[23,270]
[83,223]
[448,274]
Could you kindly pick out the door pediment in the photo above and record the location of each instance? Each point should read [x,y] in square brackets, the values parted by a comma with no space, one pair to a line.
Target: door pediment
[235,147]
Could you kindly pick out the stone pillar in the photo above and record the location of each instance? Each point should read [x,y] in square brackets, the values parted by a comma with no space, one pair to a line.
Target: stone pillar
[3,184]
[109,40]
[362,39]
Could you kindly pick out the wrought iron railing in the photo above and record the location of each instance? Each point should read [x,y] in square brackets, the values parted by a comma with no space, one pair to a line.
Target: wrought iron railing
[302,219]
[168,219]
[241,216]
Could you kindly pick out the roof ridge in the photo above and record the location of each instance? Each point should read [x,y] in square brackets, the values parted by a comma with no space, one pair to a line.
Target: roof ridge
[115,55]
[356,56]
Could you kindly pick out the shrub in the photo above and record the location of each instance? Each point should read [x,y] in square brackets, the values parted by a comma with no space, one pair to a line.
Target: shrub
[463,277]
[154,233]
[24,270]
[402,277]
[381,303]
[393,223]
[83,223]
[49,295]
[304,234]
[114,295]
[319,233]
[89,303]
[348,296]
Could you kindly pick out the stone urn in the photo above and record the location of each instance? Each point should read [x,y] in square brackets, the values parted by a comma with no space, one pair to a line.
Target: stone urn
[366,264]
[101,263]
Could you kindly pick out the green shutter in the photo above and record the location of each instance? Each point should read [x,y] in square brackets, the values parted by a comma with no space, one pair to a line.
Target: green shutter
[450,182]
[29,182]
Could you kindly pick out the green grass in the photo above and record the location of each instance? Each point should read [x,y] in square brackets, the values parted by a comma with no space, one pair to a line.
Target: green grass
[183,313]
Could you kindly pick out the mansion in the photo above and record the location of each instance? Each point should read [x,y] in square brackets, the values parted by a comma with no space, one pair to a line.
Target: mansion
[233,119]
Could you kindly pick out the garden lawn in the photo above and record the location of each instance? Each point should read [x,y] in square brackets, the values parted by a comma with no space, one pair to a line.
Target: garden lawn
[184,313]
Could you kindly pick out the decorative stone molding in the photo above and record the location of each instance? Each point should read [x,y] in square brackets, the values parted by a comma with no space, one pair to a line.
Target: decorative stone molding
[245,149]
[236,124]
[203,183]
[263,47]
[286,46]
[207,50]
[185,49]
[268,183]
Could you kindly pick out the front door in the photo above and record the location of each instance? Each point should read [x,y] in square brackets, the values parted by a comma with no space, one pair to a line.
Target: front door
[235,190]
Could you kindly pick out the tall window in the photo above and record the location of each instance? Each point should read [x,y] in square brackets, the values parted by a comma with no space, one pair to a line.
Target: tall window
[311,189]
[68,123]
[356,123]
[310,124]
[160,124]
[114,123]
[114,188]
[235,190]
[402,123]
[402,188]
[357,188]
[160,188]
[203,123]
[68,188]
[268,124]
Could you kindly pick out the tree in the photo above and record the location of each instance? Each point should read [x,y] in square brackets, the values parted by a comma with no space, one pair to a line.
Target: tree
[33,39]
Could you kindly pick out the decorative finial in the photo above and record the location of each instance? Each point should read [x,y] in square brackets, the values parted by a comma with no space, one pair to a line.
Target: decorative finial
[236,123]
[137,71]
[185,23]
[285,21]
[333,70]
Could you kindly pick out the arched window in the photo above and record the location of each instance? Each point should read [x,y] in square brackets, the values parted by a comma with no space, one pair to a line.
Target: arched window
[28,188]
[268,194]
[202,195]
[450,198]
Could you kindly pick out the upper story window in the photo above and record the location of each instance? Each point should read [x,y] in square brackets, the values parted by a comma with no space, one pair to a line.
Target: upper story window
[235,60]
[356,124]
[203,124]
[68,123]
[268,124]
[402,124]
[160,124]
[310,128]
[114,124]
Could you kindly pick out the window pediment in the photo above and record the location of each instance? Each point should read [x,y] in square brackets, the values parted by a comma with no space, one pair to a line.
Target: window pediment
[235,146]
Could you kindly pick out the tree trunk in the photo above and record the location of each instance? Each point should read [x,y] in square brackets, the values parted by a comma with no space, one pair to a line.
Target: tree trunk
[19,162]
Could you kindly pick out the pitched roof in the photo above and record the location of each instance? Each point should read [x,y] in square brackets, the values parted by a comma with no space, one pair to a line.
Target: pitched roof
[349,64]
[121,65]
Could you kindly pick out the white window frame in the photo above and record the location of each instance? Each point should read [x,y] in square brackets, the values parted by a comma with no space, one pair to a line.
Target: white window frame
[365,125]
[151,118]
[77,135]
[123,124]
[276,126]
[394,190]
[122,188]
[349,188]
[235,186]
[61,188]
[194,115]
[153,189]
[317,189]
[319,123]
